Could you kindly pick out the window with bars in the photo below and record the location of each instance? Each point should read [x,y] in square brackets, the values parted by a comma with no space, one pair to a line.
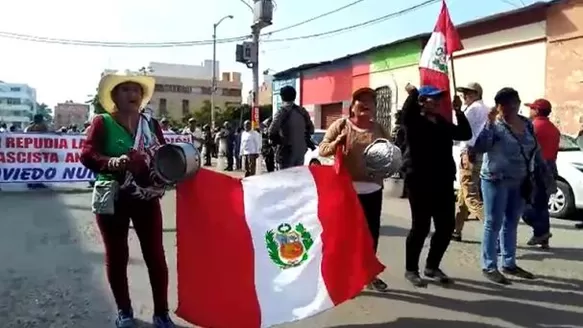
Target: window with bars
[185,107]
[162,107]
[384,103]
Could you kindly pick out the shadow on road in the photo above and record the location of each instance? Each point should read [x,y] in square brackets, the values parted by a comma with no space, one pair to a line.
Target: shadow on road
[509,304]
[144,324]
[393,231]
[557,253]
[47,279]
[420,323]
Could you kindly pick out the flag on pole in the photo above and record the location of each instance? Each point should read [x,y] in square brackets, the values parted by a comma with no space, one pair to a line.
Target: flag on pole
[434,63]
[269,249]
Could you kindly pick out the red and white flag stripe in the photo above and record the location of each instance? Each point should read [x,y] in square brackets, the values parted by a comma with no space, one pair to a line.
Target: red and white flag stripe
[269,249]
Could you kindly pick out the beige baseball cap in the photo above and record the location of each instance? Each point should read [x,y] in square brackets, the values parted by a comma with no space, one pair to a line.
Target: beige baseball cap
[472,86]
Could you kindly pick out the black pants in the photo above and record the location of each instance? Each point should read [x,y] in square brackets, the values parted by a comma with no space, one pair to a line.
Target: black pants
[230,159]
[429,198]
[269,162]
[372,205]
[207,155]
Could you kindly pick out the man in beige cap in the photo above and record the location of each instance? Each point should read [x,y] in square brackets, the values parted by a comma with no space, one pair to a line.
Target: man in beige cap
[469,199]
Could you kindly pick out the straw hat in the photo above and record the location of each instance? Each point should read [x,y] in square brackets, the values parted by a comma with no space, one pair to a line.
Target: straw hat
[110,81]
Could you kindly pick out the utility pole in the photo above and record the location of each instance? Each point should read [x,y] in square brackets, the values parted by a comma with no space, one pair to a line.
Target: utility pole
[248,52]
[255,69]
[214,78]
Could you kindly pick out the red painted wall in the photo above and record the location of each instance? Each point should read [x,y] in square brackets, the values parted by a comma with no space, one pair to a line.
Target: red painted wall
[327,86]
[360,74]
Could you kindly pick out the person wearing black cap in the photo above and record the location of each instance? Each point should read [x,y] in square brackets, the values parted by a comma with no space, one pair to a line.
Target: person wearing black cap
[355,134]
[430,172]
[511,156]
[291,130]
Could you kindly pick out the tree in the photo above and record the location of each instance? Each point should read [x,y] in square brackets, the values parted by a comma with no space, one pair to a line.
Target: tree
[94,102]
[243,113]
[44,110]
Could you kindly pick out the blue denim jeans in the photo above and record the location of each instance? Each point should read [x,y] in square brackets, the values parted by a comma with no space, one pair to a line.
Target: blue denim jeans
[503,206]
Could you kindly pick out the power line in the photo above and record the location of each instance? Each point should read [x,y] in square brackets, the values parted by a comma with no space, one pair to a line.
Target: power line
[359,25]
[90,43]
[309,20]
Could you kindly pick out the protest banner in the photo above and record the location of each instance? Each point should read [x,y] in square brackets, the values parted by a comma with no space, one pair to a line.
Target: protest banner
[46,158]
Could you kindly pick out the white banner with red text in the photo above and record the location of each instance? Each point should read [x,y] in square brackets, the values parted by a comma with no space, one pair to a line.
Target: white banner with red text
[46,158]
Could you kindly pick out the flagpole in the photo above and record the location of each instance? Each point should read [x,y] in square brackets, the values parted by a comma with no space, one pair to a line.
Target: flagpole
[452,72]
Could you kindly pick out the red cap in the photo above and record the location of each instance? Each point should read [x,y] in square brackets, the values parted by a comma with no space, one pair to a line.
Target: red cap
[540,104]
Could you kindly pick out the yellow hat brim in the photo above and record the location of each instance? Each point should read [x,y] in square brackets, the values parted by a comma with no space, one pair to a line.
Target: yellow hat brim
[110,81]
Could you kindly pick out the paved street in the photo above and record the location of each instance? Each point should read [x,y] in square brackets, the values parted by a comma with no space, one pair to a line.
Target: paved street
[51,275]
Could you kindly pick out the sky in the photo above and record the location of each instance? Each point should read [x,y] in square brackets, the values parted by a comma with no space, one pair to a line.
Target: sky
[66,72]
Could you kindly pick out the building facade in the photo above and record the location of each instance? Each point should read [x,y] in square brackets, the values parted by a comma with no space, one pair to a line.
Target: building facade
[182,89]
[265,92]
[535,49]
[70,113]
[564,64]
[17,104]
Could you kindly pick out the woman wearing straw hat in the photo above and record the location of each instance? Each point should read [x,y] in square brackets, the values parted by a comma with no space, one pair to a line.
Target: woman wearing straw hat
[119,149]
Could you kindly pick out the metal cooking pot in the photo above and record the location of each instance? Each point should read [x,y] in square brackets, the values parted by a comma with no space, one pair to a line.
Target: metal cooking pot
[175,162]
[382,159]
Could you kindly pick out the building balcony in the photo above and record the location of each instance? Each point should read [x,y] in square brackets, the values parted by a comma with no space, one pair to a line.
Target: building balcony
[21,107]
[12,119]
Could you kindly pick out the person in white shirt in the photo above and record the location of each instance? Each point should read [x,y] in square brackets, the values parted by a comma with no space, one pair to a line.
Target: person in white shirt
[469,200]
[165,126]
[195,132]
[250,148]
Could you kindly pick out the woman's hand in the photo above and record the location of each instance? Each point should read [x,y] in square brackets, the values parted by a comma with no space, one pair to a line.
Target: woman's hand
[492,114]
[341,139]
[118,163]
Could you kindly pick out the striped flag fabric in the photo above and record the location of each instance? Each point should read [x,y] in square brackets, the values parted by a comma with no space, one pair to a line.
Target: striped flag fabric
[269,249]
[434,62]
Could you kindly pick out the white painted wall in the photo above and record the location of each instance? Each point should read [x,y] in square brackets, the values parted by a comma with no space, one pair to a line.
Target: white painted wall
[522,68]
[396,79]
[503,38]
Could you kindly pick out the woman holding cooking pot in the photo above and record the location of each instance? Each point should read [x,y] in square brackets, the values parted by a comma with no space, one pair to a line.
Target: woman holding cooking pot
[119,149]
[356,133]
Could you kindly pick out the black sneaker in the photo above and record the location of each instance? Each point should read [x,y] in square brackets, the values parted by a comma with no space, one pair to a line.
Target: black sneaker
[496,276]
[125,319]
[163,321]
[438,275]
[378,285]
[518,272]
[533,241]
[456,236]
[415,279]
[579,226]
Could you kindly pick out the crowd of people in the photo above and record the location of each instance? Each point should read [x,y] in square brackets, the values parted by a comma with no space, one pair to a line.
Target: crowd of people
[507,172]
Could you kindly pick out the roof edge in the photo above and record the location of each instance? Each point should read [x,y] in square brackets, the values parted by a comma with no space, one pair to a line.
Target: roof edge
[292,72]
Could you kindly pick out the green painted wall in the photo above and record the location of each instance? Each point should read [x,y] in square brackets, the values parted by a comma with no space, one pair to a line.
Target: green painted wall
[395,56]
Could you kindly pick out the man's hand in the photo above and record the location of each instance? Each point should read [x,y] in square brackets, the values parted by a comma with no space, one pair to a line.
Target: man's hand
[457,103]
[410,88]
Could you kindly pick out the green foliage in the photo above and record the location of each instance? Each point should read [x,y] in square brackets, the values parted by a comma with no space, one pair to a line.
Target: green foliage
[97,108]
[45,111]
[272,249]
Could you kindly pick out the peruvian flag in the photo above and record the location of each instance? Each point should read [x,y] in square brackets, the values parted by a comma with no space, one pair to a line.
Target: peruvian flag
[271,248]
[434,63]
